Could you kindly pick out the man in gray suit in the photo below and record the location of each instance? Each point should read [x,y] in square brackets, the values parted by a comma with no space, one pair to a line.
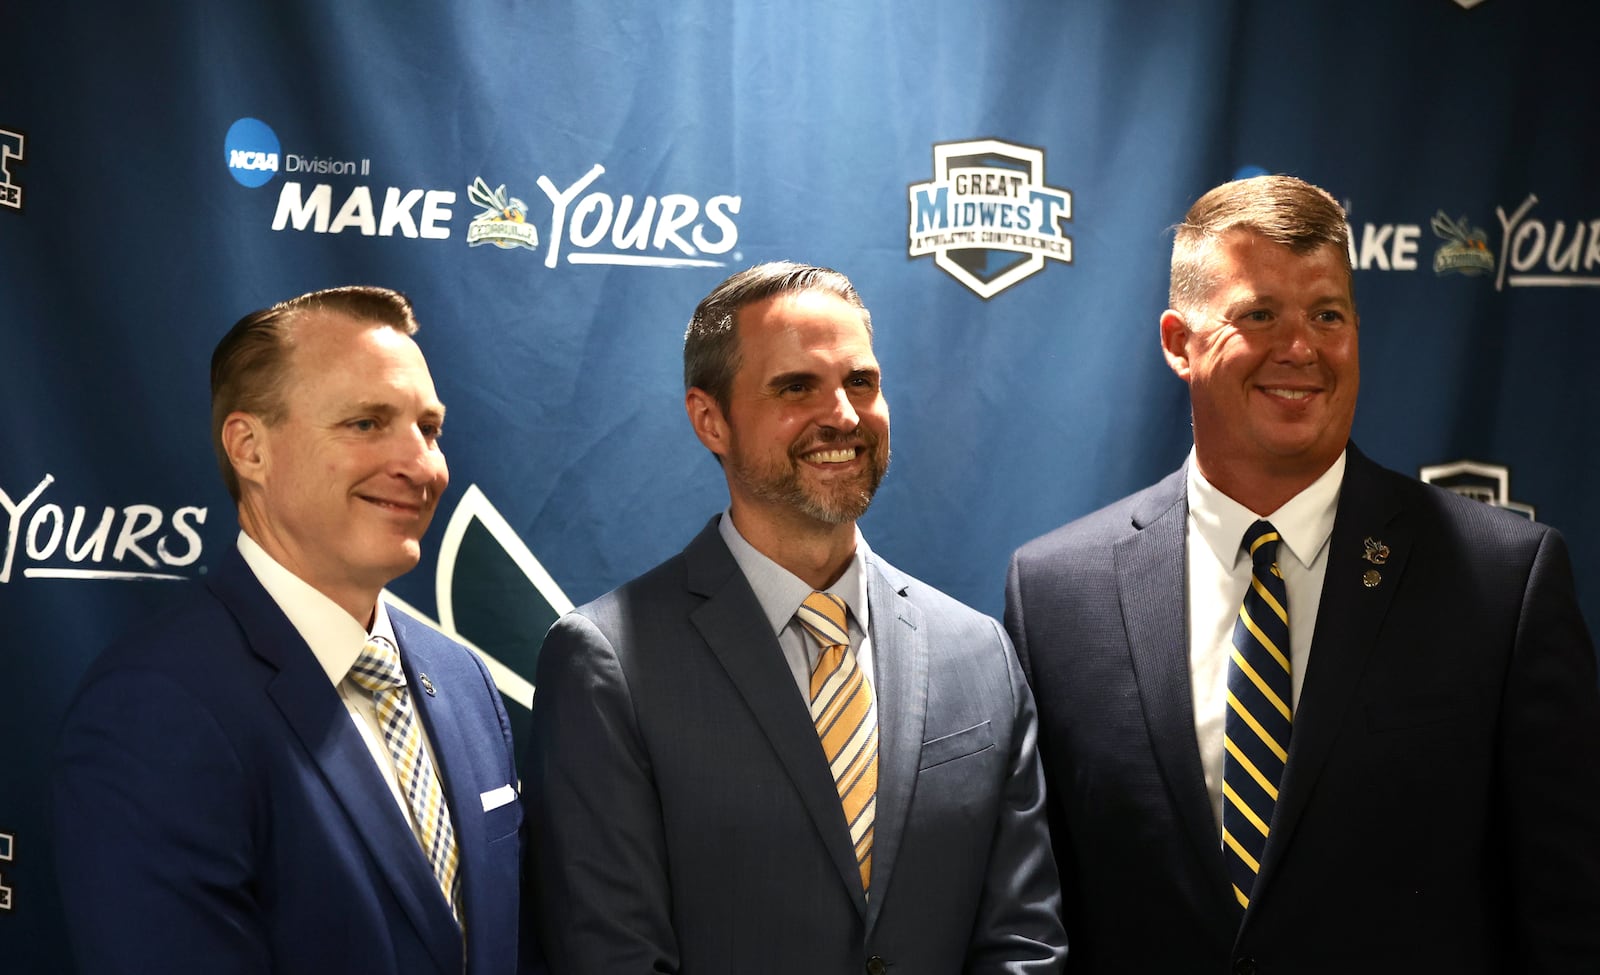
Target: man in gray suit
[775,752]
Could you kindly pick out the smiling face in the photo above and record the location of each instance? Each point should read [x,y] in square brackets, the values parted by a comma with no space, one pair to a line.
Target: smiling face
[1271,362]
[804,440]
[342,488]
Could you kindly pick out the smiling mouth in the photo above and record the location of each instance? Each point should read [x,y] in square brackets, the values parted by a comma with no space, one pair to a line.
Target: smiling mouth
[399,507]
[833,455]
[1295,394]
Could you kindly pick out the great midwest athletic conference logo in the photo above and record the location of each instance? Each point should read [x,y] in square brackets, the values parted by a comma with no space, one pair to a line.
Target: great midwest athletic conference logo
[987,216]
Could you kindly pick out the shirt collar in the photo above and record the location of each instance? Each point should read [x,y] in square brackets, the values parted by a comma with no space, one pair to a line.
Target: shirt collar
[1304,522]
[780,592]
[333,635]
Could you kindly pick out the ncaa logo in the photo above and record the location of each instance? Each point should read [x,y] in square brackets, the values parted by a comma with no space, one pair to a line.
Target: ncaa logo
[251,150]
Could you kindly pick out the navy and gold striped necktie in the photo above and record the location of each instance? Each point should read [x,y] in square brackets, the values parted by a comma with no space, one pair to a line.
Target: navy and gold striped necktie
[1256,734]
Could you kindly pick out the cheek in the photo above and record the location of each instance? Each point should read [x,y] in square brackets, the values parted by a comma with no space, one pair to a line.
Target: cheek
[786,426]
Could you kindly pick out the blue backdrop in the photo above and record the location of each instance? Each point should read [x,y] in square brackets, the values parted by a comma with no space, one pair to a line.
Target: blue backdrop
[556,185]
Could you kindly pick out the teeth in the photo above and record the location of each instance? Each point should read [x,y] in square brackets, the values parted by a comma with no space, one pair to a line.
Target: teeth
[832,456]
[1290,393]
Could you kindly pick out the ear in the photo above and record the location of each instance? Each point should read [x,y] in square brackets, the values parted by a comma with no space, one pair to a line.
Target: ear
[244,441]
[1175,342]
[705,416]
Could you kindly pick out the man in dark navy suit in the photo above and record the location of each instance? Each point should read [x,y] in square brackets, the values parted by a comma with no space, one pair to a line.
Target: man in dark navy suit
[284,774]
[1299,713]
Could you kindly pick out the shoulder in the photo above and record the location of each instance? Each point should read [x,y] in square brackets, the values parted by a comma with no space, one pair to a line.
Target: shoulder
[937,607]
[196,641]
[1447,517]
[614,626]
[1091,536]
[187,674]
[653,596]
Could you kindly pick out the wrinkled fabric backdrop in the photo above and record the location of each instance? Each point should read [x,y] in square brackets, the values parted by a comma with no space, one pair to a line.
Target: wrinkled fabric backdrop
[556,185]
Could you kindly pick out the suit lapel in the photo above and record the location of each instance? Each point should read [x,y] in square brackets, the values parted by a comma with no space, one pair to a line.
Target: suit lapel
[735,629]
[319,721]
[900,658]
[1349,618]
[452,760]
[1151,581]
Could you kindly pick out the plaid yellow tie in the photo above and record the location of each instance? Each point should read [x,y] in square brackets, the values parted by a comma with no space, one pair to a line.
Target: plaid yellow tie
[841,708]
[378,671]
[1256,730]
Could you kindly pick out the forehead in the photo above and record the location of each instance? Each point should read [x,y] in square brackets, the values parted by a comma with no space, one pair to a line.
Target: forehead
[330,349]
[1248,260]
[324,338]
[781,331]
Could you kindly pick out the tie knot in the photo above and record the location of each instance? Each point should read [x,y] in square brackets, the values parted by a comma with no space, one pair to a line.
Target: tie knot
[378,667]
[1261,541]
[822,615]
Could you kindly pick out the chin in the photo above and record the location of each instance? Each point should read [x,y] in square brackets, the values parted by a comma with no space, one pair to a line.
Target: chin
[396,564]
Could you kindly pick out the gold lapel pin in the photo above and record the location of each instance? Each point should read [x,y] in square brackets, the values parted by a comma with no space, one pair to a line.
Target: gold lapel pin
[1374,551]
[1371,578]
[427,685]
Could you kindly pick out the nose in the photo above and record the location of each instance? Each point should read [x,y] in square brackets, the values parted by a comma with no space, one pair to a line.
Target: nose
[842,413]
[417,457]
[1297,341]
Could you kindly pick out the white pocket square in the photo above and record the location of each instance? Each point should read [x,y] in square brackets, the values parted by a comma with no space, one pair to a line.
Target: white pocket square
[495,798]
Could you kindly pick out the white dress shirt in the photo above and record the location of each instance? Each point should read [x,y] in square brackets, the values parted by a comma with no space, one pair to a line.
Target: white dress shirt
[336,639]
[1218,574]
[781,592]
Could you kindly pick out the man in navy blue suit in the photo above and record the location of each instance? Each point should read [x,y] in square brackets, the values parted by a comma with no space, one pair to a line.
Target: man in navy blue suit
[283,773]
[1367,742]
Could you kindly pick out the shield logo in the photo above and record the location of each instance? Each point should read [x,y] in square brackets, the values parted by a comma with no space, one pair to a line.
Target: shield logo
[987,216]
[1489,483]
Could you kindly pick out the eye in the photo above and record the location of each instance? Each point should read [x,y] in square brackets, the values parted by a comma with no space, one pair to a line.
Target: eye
[432,431]
[364,425]
[1329,316]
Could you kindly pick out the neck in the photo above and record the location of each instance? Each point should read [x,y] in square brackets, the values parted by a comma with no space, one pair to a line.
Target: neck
[816,552]
[1262,491]
[359,601]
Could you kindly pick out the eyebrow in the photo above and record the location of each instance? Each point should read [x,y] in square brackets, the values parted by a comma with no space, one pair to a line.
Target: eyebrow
[783,379]
[1267,298]
[434,409]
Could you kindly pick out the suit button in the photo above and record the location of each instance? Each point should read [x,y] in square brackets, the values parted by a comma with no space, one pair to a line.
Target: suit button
[1244,966]
[876,966]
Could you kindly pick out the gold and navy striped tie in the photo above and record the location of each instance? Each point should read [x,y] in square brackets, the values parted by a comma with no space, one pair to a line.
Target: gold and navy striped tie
[1256,735]
[378,670]
[847,723]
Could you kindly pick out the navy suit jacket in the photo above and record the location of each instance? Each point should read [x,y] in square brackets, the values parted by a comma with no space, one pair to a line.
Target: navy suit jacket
[216,810]
[684,818]
[1440,809]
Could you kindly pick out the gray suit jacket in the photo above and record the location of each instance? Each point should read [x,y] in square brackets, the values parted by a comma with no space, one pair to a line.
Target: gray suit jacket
[683,817]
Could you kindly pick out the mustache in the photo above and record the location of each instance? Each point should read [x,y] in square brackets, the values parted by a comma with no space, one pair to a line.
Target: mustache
[834,437]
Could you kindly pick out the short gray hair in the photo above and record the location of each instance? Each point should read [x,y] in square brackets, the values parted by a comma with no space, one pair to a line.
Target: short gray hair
[711,342]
